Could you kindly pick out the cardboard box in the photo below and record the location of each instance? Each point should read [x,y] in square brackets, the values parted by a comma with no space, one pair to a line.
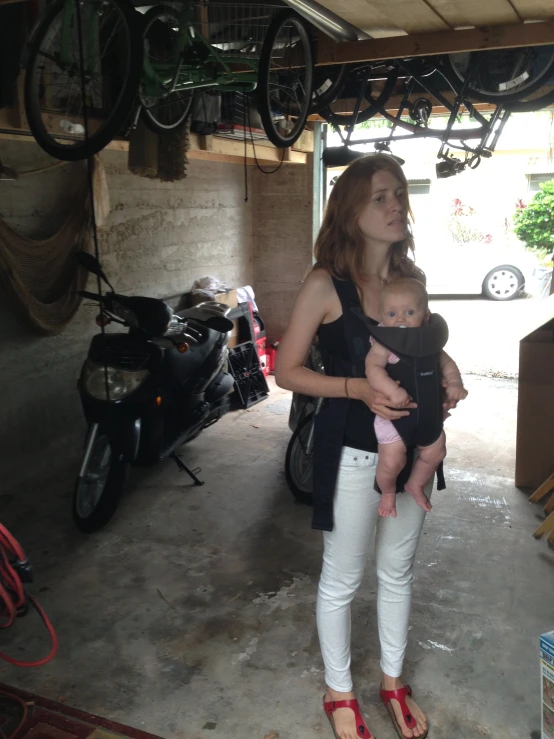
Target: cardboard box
[234,335]
[547,684]
[535,410]
[229,298]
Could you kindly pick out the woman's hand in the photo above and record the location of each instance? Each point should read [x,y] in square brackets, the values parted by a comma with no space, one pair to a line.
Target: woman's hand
[359,389]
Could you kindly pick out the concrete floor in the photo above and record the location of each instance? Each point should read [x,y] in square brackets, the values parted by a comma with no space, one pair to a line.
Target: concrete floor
[192,615]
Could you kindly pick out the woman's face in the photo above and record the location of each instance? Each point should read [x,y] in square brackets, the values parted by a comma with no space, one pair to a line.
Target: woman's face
[384,220]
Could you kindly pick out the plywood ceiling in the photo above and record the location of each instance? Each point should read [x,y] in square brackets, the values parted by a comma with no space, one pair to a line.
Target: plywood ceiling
[381,18]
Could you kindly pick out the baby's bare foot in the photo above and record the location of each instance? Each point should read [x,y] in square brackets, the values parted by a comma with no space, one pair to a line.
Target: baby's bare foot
[419,496]
[388,505]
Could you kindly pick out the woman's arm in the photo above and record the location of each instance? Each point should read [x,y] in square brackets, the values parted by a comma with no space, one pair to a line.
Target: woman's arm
[311,307]
[378,377]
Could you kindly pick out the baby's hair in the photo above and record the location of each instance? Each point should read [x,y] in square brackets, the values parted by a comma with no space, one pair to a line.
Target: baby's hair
[406,284]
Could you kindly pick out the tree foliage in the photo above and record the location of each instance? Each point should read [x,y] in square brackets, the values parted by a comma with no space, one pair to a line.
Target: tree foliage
[534,223]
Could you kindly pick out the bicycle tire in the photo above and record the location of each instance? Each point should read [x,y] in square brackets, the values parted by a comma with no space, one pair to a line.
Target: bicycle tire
[501,97]
[530,106]
[100,139]
[148,113]
[264,72]
[376,105]
[335,74]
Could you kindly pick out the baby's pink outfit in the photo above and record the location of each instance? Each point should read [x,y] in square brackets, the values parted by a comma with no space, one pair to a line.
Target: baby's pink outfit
[385,430]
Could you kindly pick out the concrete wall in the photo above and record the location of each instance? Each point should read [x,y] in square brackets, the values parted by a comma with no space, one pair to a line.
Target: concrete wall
[282,218]
[159,238]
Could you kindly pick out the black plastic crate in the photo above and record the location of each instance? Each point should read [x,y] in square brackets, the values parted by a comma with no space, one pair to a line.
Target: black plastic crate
[250,382]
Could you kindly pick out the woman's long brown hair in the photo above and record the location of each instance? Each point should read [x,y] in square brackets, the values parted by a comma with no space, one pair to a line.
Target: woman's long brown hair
[340,245]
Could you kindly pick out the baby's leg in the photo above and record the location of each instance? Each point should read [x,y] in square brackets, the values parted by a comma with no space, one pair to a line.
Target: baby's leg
[392,458]
[423,470]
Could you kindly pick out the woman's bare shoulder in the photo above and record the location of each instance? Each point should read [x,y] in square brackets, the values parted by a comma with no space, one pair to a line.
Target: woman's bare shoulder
[320,281]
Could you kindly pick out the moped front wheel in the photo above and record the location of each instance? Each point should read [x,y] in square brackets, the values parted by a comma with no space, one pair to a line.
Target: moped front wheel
[99,485]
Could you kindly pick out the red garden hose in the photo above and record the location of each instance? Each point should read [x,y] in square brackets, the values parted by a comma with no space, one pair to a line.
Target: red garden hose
[14,571]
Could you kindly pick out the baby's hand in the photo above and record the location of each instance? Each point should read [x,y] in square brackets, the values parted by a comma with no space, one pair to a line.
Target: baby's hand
[400,398]
[455,392]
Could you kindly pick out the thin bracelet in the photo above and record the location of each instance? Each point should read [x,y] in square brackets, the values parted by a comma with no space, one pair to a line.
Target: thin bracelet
[346,387]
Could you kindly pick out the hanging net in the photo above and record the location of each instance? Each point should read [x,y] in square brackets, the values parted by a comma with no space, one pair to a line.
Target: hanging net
[40,279]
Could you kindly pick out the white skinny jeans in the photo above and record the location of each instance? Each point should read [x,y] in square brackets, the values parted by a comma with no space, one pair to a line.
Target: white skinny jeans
[356,524]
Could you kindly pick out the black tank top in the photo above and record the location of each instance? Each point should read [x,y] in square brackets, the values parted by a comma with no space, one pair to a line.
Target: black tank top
[359,432]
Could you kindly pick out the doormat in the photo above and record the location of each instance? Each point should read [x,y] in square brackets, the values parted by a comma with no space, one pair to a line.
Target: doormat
[46,719]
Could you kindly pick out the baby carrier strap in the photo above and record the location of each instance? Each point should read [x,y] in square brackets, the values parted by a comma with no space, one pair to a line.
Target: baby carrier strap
[357,340]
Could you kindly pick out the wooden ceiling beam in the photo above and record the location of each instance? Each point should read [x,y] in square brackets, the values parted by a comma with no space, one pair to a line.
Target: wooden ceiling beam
[439,42]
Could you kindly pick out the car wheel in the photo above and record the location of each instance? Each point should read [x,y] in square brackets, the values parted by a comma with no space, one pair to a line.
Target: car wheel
[503,283]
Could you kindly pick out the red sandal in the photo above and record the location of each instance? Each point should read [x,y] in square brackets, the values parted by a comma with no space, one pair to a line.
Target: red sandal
[361,728]
[400,695]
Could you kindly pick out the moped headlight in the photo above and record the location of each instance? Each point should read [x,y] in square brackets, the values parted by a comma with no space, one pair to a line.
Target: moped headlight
[120,382]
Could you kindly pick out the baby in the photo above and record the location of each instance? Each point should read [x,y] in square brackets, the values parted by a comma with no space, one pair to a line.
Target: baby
[404,304]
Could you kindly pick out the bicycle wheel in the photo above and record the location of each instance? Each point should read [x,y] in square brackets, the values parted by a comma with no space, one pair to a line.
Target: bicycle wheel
[503,75]
[328,82]
[370,105]
[535,103]
[161,39]
[112,57]
[285,77]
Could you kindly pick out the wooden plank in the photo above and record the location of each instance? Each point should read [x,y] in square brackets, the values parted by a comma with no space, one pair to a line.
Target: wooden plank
[413,16]
[222,150]
[543,490]
[232,150]
[205,143]
[546,526]
[476,13]
[549,507]
[534,10]
[429,44]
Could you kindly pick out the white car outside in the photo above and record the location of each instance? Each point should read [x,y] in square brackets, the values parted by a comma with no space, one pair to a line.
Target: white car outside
[500,272]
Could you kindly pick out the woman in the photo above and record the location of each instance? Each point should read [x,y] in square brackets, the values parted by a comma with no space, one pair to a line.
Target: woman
[364,242]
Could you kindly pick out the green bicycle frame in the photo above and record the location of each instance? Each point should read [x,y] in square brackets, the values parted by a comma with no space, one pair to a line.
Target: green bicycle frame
[92,44]
[182,73]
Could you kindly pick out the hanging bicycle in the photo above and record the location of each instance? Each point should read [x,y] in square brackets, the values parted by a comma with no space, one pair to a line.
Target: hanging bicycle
[88,65]
[511,80]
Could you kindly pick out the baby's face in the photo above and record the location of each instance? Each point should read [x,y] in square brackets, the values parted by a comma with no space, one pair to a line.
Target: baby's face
[402,310]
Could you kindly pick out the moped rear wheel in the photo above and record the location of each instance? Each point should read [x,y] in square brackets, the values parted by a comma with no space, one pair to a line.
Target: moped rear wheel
[299,464]
[98,489]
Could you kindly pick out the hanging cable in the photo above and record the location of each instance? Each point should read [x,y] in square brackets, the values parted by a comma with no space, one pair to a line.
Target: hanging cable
[245,102]
[258,165]
[91,184]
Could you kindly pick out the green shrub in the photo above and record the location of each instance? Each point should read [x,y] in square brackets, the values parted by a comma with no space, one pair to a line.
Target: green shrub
[534,224]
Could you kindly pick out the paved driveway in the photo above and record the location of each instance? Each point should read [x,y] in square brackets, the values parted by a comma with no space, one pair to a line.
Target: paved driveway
[485,334]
